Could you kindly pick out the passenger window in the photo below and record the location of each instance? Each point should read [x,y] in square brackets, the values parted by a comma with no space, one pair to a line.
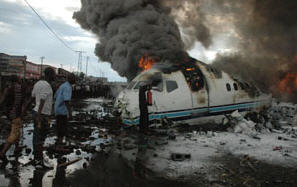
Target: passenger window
[235,86]
[171,85]
[247,85]
[228,87]
[241,85]
[131,84]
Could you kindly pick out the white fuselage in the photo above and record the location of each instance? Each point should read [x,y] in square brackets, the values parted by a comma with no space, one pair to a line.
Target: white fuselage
[174,98]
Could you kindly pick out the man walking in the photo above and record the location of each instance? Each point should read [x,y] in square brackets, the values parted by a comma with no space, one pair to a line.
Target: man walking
[13,98]
[42,93]
[62,107]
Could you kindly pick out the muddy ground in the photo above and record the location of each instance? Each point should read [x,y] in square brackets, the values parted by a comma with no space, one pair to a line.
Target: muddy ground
[112,171]
[108,168]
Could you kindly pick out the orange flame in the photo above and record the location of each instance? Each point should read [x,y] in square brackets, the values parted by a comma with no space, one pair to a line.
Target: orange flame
[189,69]
[146,62]
[289,83]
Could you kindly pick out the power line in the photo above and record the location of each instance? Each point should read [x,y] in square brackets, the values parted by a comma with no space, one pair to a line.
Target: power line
[49,28]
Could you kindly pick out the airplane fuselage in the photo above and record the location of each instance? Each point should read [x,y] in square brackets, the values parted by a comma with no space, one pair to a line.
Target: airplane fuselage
[195,93]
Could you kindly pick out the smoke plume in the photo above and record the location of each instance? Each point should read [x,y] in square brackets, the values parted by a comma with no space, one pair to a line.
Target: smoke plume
[266,37]
[130,29]
[259,35]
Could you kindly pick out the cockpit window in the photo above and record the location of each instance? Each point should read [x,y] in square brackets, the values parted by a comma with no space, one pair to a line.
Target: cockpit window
[138,84]
[157,85]
[171,85]
[131,84]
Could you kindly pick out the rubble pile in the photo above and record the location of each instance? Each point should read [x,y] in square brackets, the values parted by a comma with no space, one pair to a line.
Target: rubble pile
[284,113]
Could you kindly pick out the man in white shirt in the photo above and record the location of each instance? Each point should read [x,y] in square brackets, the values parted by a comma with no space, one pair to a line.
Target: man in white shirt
[42,93]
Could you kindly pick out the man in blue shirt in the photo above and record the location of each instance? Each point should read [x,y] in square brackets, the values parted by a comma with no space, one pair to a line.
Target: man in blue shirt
[62,107]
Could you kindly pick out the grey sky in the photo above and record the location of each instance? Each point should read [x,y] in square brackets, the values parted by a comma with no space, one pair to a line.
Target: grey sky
[22,33]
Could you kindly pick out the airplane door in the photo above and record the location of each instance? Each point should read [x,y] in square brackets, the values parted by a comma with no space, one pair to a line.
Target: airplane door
[176,95]
[199,93]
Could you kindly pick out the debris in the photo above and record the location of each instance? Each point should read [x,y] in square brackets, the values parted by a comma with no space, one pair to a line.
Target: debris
[129,146]
[161,142]
[243,140]
[85,165]
[277,148]
[171,135]
[255,137]
[282,138]
[28,151]
[180,156]
[65,164]
[188,135]
[78,152]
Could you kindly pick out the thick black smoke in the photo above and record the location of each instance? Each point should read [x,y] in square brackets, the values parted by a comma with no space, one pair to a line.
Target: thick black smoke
[261,34]
[266,34]
[130,29]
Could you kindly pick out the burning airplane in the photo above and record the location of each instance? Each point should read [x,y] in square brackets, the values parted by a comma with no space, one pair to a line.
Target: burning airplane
[154,35]
[192,92]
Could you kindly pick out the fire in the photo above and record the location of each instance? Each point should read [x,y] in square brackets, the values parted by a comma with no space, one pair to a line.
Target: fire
[146,62]
[289,83]
[190,69]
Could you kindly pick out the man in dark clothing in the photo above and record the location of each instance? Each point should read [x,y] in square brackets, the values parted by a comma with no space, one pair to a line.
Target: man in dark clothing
[13,98]
[144,119]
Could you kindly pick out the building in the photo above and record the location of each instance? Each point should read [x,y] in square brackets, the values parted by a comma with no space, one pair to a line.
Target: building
[12,65]
[32,70]
[19,66]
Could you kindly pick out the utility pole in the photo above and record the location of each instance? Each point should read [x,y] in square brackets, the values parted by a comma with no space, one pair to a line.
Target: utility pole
[87,66]
[79,62]
[41,58]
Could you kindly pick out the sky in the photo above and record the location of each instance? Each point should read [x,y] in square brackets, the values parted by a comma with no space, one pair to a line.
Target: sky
[23,33]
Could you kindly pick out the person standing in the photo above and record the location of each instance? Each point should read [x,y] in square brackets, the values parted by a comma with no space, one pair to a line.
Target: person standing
[12,98]
[42,94]
[143,107]
[62,107]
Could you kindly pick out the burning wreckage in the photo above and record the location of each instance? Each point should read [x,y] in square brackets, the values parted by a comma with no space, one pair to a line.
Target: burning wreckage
[184,91]
[198,113]
[191,92]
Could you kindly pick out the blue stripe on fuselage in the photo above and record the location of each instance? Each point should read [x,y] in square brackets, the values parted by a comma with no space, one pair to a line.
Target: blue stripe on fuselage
[189,113]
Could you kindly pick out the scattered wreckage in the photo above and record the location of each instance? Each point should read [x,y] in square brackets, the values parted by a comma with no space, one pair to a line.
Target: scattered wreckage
[192,92]
[180,152]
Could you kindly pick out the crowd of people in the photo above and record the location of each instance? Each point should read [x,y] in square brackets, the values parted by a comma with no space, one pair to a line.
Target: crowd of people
[16,100]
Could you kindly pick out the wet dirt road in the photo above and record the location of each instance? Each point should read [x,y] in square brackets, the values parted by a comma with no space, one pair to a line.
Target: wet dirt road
[97,168]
